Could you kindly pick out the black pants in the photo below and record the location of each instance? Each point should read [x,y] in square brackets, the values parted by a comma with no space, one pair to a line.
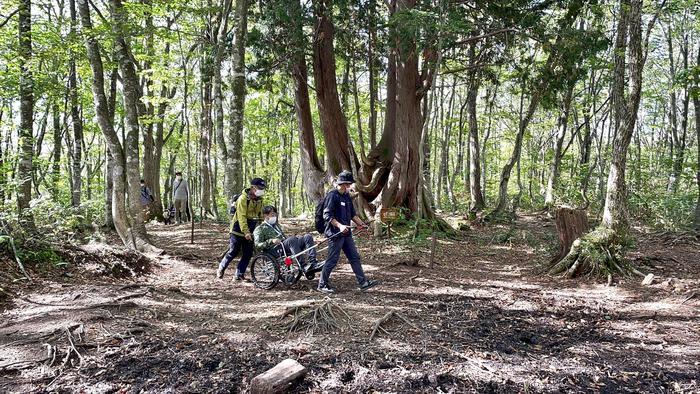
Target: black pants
[236,244]
[293,245]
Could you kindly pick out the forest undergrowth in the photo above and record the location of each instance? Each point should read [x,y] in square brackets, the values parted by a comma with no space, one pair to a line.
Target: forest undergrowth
[484,318]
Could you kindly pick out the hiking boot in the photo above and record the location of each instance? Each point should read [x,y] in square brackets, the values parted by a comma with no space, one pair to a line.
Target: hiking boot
[310,275]
[326,289]
[239,276]
[220,273]
[368,284]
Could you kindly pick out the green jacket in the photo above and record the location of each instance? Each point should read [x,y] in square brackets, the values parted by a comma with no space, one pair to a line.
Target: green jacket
[248,214]
[265,234]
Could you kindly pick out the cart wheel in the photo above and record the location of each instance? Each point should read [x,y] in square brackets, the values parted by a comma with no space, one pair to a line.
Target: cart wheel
[289,275]
[264,271]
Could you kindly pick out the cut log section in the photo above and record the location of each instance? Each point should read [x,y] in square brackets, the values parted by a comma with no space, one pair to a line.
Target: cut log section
[278,378]
[571,224]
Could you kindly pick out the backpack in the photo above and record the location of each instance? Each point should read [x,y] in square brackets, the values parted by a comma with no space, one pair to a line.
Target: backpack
[232,209]
[319,222]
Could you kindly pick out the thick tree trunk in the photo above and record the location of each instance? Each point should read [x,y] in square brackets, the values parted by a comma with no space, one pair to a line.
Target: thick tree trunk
[26,108]
[562,125]
[333,122]
[615,211]
[233,182]
[132,99]
[102,112]
[598,252]
[217,82]
[313,174]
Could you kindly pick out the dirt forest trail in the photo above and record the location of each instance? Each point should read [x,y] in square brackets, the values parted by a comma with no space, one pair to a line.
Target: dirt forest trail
[484,320]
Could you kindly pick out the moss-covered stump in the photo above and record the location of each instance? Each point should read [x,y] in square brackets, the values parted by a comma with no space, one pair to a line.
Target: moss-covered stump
[599,253]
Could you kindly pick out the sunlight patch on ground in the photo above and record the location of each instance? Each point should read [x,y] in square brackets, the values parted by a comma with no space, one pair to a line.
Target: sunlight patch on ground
[511,285]
[592,292]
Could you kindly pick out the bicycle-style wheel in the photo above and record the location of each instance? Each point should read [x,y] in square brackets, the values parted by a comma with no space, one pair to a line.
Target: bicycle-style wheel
[265,271]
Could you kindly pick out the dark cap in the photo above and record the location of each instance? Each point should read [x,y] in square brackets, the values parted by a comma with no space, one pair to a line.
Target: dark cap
[345,177]
[259,183]
[178,173]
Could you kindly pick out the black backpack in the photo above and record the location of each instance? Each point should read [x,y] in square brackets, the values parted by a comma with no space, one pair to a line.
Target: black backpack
[319,222]
[232,209]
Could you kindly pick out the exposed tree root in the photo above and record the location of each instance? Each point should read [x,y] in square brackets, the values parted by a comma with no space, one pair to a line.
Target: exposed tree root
[386,318]
[597,254]
[317,318]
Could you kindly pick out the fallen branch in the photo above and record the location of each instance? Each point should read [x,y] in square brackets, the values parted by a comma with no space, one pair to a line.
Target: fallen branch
[11,240]
[688,298]
[385,318]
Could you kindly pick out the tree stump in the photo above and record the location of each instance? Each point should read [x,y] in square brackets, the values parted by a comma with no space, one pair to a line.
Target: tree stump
[571,224]
[276,379]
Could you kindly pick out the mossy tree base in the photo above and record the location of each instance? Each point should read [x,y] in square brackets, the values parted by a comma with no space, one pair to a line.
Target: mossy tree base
[599,253]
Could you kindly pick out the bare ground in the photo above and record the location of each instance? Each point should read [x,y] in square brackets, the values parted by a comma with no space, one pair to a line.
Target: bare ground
[484,319]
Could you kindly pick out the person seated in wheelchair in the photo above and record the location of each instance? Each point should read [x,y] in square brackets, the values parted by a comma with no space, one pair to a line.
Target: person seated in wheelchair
[270,238]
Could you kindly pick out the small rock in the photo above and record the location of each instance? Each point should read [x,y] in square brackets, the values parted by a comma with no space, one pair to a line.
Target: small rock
[648,280]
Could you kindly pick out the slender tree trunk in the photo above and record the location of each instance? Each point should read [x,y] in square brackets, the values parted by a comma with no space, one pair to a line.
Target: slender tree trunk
[3,181]
[56,157]
[76,120]
[562,125]
[535,97]
[371,65]
[696,104]
[26,108]
[206,130]
[149,162]
[476,195]
[358,113]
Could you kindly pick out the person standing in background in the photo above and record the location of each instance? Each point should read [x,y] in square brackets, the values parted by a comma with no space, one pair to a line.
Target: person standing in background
[181,193]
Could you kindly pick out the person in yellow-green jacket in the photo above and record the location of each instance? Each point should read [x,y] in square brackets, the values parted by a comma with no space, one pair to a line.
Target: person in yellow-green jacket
[247,215]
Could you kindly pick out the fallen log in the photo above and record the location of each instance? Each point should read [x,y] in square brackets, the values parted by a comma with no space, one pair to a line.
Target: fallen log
[278,378]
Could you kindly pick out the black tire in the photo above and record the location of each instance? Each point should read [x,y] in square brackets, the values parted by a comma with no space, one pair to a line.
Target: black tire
[265,271]
[289,275]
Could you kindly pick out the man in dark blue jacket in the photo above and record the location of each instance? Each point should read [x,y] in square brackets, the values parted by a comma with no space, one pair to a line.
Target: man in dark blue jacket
[339,213]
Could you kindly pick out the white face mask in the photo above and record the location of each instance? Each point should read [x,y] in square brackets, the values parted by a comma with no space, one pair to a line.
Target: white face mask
[259,193]
[271,220]
[179,178]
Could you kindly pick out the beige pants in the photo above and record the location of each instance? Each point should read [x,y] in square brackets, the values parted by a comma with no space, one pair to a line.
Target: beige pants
[180,207]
